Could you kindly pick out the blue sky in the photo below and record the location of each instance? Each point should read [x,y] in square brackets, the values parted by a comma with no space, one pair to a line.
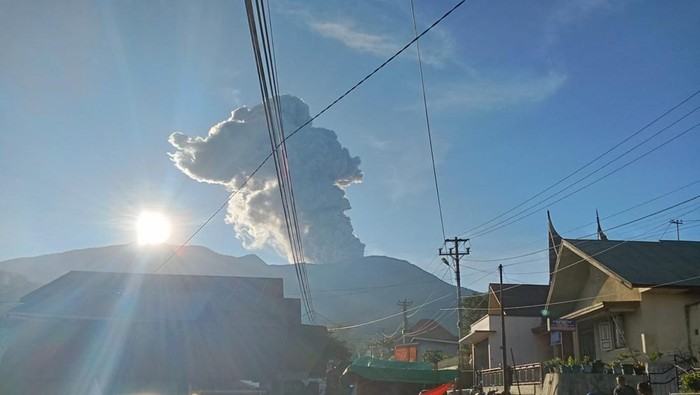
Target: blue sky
[520,95]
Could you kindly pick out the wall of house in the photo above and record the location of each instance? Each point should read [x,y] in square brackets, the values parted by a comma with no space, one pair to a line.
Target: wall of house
[527,347]
[445,347]
[659,325]
[600,287]
[662,319]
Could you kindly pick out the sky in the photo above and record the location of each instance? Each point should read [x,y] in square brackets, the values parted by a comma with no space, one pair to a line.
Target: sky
[110,108]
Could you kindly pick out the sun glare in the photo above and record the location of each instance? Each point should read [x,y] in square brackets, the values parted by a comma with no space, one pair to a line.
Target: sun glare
[152,228]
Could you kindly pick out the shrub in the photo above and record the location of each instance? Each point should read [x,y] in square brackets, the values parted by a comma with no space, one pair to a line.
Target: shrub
[690,382]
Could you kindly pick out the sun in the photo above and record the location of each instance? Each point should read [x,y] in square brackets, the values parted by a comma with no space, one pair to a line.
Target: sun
[152,228]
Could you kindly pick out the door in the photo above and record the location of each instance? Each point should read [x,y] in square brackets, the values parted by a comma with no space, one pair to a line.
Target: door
[587,344]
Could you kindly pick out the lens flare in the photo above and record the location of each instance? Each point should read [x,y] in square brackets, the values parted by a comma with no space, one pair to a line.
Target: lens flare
[152,228]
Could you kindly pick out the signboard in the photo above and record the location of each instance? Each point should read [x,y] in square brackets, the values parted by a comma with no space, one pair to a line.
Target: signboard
[554,338]
[561,325]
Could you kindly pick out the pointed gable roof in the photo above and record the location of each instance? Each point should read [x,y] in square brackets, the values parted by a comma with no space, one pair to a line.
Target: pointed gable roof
[554,244]
[646,263]
[601,235]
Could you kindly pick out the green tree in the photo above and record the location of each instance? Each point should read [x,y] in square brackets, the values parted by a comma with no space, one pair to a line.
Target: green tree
[473,308]
[382,347]
[336,350]
[433,356]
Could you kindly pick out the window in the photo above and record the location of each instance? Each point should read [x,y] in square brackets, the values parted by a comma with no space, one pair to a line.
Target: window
[619,323]
[605,332]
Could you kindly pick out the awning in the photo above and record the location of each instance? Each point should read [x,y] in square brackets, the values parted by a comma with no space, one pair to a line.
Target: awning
[603,308]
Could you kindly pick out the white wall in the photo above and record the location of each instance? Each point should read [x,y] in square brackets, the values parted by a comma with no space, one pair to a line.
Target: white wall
[527,347]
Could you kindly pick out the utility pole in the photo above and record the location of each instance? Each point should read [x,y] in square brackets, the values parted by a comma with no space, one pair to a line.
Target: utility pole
[677,222]
[504,355]
[455,253]
[405,303]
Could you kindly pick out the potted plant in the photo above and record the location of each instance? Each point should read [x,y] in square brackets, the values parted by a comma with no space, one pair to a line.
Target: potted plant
[615,367]
[690,382]
[552,366]
[627,360]
[598,366]
[586,364]
[655,356]
[565,366]
[574,364]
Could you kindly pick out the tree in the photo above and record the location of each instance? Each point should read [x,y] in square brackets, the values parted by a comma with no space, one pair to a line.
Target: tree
[473,308]
[382,347]
[336,350]
[433,356]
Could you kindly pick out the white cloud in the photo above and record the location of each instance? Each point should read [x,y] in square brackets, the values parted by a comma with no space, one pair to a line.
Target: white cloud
[353,38]
[379,34]
[568,13]
[491,94]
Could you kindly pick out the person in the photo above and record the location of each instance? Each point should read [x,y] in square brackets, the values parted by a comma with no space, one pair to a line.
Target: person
[644,388]
[622,387]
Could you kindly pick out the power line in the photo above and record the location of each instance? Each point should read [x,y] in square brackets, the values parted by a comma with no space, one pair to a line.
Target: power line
[297,130]
[261,43]
[427,121]
[584,166]
[505,222]
[588,224]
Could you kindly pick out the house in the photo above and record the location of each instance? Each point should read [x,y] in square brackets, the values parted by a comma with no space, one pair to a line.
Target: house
[90,332]
[522,304]
[627,296]
[425,335]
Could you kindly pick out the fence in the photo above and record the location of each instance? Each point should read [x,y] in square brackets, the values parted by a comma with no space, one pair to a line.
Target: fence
[530,373]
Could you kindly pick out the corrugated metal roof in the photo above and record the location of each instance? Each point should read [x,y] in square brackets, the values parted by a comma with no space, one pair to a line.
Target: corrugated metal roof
[647,263]
[524,300]
[99,295]
[138,329]
[431,330]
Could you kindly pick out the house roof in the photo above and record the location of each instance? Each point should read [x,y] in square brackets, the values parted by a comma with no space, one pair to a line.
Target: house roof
[136,328]
[647,263]
[525,300]
[430,330]
[99,295]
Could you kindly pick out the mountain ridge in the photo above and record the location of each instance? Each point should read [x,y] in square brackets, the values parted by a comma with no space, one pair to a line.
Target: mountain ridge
[345,294]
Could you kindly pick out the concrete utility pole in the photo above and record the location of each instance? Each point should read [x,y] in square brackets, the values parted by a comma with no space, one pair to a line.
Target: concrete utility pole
[677,222]
[405,303]
[504,355]
[455,253]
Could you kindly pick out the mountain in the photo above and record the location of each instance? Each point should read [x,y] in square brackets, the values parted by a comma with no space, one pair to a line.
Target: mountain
[344,294]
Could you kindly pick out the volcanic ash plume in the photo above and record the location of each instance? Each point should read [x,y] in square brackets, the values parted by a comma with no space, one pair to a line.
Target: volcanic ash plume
[321,169]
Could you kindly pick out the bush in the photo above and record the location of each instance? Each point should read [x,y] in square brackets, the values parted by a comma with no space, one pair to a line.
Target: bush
[690,382]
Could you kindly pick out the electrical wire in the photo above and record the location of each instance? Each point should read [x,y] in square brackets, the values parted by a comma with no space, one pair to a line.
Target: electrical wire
[500,259]
[427,121]
[298,129]
[266,70]
[587,164]
[505,222]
